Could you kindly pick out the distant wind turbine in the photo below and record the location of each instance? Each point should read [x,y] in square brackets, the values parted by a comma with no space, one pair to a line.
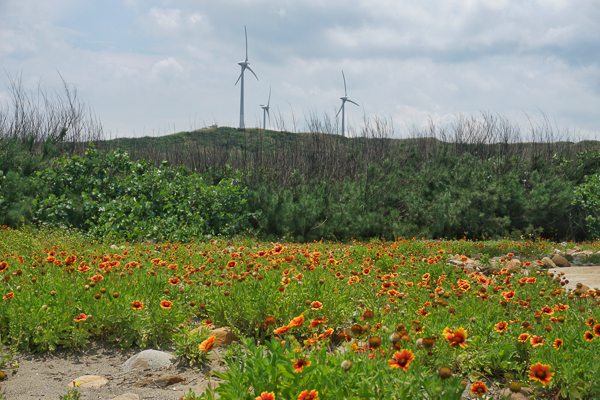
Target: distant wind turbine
[342,109]
[266,111]
[245,65]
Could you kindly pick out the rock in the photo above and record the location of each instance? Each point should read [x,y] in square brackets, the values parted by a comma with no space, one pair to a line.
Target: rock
[168,381]
[224,335]
[548,263]
[513,266]
[522,395]
[149,359]
[89,381]
[579,254]
[560,261]
[127,396]
[160,382]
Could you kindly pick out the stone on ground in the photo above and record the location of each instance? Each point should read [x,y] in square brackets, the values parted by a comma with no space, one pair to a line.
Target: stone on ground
[149,359]
[89,381]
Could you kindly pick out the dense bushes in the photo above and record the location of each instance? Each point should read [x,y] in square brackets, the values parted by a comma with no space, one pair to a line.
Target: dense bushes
[108,195]
[446,196]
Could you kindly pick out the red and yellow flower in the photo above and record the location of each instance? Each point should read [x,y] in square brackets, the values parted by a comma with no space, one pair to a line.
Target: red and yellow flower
[300,363]
[537,341]
[166,304]
[207,344]
[479,388]
[540,372]
[458,337]
[501,327]
[297,322]
[588,336]
[401,359]
[524,337]
[137,305]
[557,344]
[266,396]
[80,317]
[306,395]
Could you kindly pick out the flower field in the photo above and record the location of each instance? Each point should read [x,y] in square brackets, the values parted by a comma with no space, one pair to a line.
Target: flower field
[385,320]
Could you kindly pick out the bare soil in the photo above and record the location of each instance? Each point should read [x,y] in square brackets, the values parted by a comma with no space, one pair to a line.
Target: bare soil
[47,376]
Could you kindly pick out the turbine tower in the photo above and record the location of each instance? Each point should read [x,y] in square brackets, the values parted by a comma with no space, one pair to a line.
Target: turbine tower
[266,111]
[342,109]
[245,65]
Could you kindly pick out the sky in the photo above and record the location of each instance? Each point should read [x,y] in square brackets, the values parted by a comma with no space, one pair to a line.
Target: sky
[151,67]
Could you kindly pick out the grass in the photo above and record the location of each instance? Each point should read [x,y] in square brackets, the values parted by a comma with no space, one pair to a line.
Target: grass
[348,320]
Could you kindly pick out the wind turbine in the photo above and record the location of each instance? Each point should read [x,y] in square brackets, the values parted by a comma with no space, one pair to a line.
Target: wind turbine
[342,109]
[266,111]
[245,65]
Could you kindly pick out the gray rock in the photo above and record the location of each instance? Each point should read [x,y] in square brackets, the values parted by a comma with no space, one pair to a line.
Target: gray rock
[560,261]
[149,359]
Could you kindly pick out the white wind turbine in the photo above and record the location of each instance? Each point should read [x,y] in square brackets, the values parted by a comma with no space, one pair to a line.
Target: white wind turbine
[245,65]
[266,111]
[343,109]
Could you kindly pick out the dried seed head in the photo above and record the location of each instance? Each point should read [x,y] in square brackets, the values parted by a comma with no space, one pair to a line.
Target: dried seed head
[445,373]
[346,365]
[515,387]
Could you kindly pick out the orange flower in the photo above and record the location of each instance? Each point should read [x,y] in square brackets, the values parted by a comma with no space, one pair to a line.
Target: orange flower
[296,322]
[166,304]
[137,305]
[547,310]
[557,344]
[327,333]
[457,337]
[588,336]
[401,359]
[501,327]
[231,264]
[306,395]
[9,296]
[317,321]
[539,372]
[266,396]
[479,388]
[174,281]
[316,305]
[597,330]
[300,364]
[523,337]
[80,317]
[282,329]
[537,341]
[3,266]
[207,344]
[269,321]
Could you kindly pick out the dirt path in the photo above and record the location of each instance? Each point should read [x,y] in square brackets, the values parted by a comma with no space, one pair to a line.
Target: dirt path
[46,376]
[589,276]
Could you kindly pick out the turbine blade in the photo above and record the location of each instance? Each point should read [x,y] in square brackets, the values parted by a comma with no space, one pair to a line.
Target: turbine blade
[240,77]
[246,32]
[353,102]
[338,113]
[269,102]
[247,66]
[345,91]
[268,115]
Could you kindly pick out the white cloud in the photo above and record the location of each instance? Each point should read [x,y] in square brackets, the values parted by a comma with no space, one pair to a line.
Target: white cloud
[166,60]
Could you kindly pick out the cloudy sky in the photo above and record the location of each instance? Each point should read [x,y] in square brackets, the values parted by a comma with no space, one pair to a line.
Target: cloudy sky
[151,67]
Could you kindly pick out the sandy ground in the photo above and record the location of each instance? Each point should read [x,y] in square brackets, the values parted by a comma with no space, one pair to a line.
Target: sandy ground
[46,376]
[589,276]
